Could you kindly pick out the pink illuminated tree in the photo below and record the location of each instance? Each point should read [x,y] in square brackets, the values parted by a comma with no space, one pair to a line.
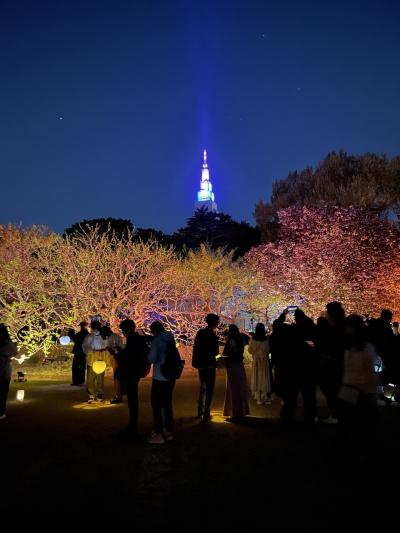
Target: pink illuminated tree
[331,253]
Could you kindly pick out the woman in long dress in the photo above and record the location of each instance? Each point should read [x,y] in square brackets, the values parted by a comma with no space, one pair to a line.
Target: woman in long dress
[236,404]
[261,386]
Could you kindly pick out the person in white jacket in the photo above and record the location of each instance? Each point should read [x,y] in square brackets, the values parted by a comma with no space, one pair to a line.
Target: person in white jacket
[96,351]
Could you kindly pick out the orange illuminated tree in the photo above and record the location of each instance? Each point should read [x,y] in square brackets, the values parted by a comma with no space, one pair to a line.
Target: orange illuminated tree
[27,304]
[49,284]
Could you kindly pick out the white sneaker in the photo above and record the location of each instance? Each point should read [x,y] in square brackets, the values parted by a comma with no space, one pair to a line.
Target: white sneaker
[330,420]
[156,438]
[2,417]
[168,435]
[259,402]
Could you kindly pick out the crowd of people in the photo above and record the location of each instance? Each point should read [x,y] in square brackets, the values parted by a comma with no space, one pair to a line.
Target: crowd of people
[130,360]
[341,355]
[348,358]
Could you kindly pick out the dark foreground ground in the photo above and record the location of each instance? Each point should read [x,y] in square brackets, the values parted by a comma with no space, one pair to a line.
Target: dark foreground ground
[59,455]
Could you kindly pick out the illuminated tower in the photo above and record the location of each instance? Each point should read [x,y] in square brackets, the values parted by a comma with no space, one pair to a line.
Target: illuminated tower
[205,196]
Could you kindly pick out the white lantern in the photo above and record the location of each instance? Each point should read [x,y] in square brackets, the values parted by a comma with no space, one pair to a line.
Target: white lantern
[389,391]
[99,367]
[20,395]
[65,340]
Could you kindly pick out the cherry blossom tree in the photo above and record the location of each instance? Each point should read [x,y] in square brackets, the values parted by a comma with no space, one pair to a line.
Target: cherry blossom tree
[331,253]
[49,284]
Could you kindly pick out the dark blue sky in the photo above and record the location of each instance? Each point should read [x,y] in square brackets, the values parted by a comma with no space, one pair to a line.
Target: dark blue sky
[143,86]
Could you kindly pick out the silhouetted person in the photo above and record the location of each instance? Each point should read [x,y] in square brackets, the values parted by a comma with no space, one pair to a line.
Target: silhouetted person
[283,351]
[304,370]
[322,334]
[161,388]
[7,350]
[395,363]
[205,351]
[357,396]
[132,360]
[330,345]
[381,334]
[79,360]
[236,405]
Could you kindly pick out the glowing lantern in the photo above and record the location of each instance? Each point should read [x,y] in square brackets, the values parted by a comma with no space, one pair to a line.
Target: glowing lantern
[99,367]
[389,391]
[20,395]
[65,340]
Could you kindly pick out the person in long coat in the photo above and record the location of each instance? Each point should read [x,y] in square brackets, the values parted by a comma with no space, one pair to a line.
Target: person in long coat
[79,360]
[236,405]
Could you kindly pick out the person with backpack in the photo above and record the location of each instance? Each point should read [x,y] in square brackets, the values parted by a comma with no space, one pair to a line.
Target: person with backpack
[205,351]
[132,365]
[167,366]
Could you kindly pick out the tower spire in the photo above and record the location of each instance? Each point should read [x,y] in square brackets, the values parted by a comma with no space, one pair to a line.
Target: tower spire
[205,196]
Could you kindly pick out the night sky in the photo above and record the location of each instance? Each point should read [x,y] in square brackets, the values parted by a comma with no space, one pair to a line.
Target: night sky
[106,106]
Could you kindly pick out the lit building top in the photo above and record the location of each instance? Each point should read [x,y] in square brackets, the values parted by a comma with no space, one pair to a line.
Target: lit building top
[205,196]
